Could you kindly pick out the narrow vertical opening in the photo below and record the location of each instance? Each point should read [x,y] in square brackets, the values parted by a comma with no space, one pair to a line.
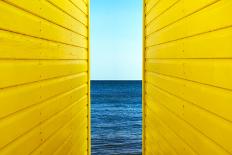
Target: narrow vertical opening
[116,77]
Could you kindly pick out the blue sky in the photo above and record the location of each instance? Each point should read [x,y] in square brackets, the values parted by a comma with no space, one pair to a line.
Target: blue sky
[116,39]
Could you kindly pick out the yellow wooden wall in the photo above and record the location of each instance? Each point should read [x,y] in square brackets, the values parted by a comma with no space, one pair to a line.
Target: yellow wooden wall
[187,77]
[44,77]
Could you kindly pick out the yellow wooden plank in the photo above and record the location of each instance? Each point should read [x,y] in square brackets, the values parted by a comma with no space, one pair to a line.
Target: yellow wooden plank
[67,7]
[169,34]
[149,5]
[31,140]
[80,109]
[195,139]
[82,146]
[77,136]
[202,46]
[32,116]
[52,32]
[86,2]
[79,141]
[81,5]
[204,96]
[17,20]
[213,72]
[204,122]
[179,11]
[158,10]
[28,24]
[151,150]
[53,142]
[65,147]
[166,147]
[208,45]
[163,145]
[37,70]
[45,130]
[18,98]
[16,46]
[190,26]
[47,11]
[177,143]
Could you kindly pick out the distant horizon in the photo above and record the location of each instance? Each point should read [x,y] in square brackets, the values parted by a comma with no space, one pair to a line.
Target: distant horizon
[115,80]
[116,40]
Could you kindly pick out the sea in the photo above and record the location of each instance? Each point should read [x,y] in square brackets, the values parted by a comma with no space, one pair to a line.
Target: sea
[116,117]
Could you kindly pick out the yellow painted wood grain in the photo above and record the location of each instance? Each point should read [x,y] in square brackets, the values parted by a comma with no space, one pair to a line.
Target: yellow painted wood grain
[44,77]
[187,77]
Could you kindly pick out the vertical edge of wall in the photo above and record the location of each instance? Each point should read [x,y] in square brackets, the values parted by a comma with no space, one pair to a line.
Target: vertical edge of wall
[143,79]
[89,84]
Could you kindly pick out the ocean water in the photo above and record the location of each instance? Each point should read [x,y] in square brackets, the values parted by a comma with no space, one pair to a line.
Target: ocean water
[116,113]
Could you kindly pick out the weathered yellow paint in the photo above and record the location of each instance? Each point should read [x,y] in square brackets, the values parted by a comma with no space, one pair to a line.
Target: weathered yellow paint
[44,77]
[187,77]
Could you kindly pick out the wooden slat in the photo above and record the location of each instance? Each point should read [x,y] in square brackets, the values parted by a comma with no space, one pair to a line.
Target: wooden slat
[37,70]
[46,11]
[207,71]
[28,24]
[16,46]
